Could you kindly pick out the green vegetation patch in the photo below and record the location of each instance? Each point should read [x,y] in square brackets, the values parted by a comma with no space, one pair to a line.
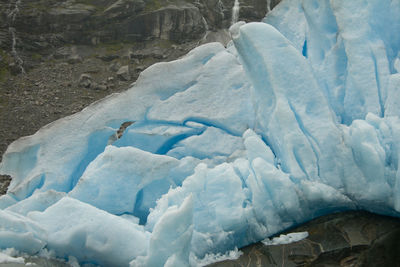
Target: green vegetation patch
[111,47]
[151,5]
[99,8]
[4,73]
[36,56]
[34,5]
[4,70]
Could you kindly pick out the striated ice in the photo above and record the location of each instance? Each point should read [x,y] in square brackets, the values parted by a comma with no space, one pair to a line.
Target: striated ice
[120,174]
[298,117]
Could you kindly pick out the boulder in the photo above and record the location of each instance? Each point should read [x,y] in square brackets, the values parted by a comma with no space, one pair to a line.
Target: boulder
[123,73]
[85,80]
[107,57]
[100,87]
[115,66]
[73,59]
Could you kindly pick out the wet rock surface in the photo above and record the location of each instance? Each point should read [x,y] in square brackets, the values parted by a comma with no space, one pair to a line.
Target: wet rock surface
[355,238]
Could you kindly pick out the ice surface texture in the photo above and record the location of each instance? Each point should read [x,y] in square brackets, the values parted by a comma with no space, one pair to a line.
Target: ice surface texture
[297,118]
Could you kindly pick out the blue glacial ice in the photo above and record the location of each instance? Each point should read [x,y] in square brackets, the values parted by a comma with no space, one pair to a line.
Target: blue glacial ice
[296,118]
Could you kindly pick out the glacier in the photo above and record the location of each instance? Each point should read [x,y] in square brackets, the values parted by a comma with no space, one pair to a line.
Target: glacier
[296,118]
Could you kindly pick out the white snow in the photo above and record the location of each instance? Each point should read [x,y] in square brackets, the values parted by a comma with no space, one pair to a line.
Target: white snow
[285,239]
[212,258]
[6,258]
[297,118]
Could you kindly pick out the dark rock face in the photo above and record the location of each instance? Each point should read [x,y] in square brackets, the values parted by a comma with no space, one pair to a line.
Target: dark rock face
[344,239]
[4,182]
[173,23]
[78,23]
[38,28]
[252,10]
[49,22]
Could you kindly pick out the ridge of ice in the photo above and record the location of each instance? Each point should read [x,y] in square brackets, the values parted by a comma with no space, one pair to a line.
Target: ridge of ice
[296,118]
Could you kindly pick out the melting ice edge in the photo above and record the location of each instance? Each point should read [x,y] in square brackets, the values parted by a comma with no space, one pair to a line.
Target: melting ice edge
[296,118]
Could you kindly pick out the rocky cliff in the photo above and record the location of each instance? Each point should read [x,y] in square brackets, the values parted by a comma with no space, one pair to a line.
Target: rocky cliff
[40,26]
